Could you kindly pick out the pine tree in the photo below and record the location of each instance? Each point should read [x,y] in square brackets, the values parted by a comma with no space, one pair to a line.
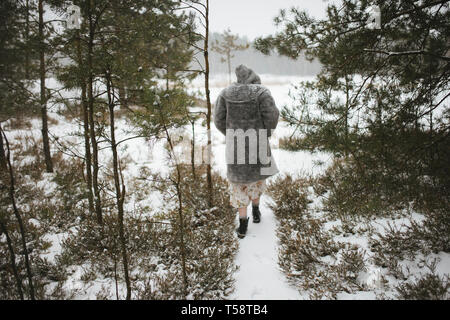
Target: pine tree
[200,8]
[381,98]
[226,47]
[109,32]
[43,89]
[15,97]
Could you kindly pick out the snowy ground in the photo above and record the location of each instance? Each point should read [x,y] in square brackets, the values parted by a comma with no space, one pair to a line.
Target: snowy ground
[259,276]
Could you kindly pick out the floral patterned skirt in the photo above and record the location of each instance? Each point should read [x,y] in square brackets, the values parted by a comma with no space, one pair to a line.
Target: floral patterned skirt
[242,194]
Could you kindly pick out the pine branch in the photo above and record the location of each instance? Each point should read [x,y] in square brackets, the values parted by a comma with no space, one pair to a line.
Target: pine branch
[407,53]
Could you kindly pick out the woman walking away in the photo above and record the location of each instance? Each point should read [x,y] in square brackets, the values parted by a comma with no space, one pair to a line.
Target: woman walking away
[246,114]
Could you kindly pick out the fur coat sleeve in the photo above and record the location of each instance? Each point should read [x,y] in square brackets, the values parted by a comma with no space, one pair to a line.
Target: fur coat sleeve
[220,114]
[269,111]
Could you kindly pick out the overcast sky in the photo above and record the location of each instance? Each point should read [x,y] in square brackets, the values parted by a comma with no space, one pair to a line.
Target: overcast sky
[255,17]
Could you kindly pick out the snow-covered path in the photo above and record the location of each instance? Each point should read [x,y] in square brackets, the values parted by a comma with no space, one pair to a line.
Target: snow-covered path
[259,276]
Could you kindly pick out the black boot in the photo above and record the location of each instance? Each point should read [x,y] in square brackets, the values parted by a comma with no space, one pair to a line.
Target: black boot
[242,229]
[256,214]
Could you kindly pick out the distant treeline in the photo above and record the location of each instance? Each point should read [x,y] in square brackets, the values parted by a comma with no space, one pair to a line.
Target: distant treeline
[260,63]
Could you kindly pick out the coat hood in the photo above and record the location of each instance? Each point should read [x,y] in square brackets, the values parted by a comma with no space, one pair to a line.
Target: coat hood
[246,75]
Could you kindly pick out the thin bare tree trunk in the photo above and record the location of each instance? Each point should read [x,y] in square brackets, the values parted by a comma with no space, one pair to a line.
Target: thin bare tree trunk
[193,149]
[27,36]
[18,217]
[97,200]
[3,164]
[115,278]
[87,145]
[45,139]
[347,108]
[181,222]
[229,67]
[13,260]
[208,104]
[180,207]
[120,194]
[119,83]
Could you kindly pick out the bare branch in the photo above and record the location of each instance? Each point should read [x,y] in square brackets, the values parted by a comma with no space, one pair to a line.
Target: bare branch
[190,6]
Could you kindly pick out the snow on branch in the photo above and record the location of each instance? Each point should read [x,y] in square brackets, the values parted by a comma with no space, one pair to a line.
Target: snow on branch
[405,53]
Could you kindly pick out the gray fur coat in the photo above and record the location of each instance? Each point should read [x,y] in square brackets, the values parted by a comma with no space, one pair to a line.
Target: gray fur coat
[246,114]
